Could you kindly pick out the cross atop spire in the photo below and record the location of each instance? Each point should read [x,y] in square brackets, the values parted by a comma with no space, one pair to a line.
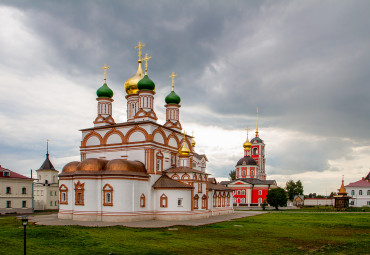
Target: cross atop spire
[105,67]
[146,58]
[139,46]
[257,124]
[247,132]
[172,76]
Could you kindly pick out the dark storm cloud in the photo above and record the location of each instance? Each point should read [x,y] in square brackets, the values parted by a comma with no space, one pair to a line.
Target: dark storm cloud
[305,64]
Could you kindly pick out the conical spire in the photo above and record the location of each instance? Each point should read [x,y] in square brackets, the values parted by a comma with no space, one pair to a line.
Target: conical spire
[47,165]
[342,190]
[257,124]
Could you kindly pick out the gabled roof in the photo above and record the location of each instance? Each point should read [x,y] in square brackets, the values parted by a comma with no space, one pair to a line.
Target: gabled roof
[218,187]
[367,177]
[47,165]
[166,182]
[224,182]
[12,174]
[200,156]
[183,169]
[254,181]
[360,183]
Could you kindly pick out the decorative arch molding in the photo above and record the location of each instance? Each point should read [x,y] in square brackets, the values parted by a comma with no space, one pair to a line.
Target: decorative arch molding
[112,132]
[160,131]
[142,200]
[79,193]
[185,177]
[136,129]
[175,177]
[89,135]
[173,136]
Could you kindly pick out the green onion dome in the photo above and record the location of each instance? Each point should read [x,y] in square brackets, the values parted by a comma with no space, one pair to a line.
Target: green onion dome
[146,83]
[104,91]
[172,98]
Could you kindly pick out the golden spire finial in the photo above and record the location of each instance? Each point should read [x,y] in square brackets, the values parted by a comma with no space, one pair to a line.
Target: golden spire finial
[172,76]
[105,67]
[342,189]
[146,58]
[257,124]
[139,46]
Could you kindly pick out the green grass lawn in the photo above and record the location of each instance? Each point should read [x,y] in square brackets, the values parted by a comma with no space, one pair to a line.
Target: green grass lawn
[273,233]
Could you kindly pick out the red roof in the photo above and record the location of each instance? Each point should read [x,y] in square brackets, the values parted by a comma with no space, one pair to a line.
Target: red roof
[12,174]
[360,183]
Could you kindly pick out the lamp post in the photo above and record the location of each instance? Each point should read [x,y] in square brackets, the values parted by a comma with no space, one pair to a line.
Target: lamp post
[24,223]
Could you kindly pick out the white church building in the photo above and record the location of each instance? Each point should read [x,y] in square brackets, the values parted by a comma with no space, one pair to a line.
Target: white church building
[139,169]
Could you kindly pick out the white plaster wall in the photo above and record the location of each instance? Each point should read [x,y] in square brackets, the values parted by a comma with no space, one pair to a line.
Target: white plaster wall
[172,142]
[136,155]
[137,137]
[158,138]
[93,140]
[114,138]
[172,196]
[358,200]
[124,130]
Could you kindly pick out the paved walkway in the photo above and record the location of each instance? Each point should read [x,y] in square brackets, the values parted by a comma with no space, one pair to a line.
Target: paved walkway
[52,220]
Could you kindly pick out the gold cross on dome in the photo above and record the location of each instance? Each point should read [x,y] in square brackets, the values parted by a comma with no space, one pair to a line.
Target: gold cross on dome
[139,46]
[172,76]
[105,67]
[146,58]
[247,131]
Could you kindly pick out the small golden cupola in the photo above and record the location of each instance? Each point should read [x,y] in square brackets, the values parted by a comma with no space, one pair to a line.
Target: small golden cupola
[131,83]
[247,145]
[184,149]
[193,143]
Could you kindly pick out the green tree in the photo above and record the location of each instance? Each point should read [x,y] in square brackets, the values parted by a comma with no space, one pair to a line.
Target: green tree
[293,189]
[277,197]
[232,175]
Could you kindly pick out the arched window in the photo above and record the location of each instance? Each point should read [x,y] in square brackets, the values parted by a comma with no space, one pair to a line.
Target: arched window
[159,165]
[24,190]
[214,200]
[260,200]
[204,202]
[108,195]
[200,187]
[219,199]
[175,177]
[260,192]
[196,199]
[142,200]
[255,151]
[163,200]
[243,192]
[63,191]
[79,193]
[352,192]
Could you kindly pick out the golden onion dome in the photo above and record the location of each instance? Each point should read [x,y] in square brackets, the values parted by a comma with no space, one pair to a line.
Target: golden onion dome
[184,150]
[92,164]
[247,145]
[70,167]
[193,143]
[131,83]
[125,165]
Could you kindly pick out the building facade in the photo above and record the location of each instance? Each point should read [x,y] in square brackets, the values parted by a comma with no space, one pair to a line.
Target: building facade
[250,186]
[359,192]
[15,192]
[139,169]
[46,187]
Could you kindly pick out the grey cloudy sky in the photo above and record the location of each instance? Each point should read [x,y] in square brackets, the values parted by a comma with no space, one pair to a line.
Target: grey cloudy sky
[305,64]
